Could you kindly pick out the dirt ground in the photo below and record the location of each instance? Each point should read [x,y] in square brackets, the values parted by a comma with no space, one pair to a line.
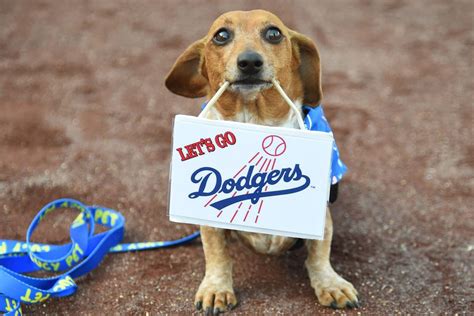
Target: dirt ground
[84,113]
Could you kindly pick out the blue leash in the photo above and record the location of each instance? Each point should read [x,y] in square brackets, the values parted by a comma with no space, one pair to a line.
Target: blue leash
[82,255]
[87,249]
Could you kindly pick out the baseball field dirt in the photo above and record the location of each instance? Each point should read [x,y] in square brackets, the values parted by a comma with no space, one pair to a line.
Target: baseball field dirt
[84,114]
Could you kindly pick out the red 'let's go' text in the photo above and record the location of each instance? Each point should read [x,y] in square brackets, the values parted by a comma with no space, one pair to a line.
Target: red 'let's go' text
[206,145]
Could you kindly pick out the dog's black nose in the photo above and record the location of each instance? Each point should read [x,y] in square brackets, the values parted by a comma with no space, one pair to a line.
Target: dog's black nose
[250,62]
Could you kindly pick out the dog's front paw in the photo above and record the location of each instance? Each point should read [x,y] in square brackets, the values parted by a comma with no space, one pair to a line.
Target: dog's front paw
[332,290]
[214,297]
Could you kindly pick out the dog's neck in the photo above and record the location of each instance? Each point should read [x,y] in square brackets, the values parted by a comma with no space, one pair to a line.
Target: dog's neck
[266,108]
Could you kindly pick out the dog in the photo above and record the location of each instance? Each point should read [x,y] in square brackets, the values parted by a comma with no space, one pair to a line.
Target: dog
[248,49]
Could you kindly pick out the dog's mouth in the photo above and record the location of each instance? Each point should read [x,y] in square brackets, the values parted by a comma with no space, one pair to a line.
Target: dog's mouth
[250,84]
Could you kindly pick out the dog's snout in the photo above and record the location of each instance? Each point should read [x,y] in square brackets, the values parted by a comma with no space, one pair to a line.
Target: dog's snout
[250,62]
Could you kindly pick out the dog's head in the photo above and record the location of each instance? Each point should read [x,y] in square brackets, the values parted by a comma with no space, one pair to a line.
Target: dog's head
[248,49]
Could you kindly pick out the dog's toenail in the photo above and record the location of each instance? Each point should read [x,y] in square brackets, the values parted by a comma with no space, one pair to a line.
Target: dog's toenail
[350,305]
[209,311]
[356,304]
[230,306]
[334,305]
[199,306]
[217,311]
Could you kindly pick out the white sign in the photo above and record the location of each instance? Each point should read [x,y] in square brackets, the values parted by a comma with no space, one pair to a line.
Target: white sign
[247,177]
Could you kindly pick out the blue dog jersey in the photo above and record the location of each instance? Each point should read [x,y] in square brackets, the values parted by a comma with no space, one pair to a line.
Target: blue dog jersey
[315,120]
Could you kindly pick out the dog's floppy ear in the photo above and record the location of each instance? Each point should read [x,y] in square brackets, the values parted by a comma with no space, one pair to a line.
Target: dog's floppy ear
[185,78]
[309,67]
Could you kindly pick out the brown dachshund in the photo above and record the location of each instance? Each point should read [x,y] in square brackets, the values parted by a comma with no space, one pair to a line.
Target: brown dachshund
[248,49]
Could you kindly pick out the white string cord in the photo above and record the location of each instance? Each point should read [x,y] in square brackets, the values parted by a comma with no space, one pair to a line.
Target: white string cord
[214,99]
[290,103]
[225,85]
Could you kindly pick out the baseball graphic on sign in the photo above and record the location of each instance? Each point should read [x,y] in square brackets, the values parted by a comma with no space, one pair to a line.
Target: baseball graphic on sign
[274,145]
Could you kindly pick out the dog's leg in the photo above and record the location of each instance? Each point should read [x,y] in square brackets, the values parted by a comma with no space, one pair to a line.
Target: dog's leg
[215,294]
[331,289]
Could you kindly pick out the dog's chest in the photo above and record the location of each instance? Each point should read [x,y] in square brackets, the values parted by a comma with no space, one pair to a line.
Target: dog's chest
[246,116]
[265,244]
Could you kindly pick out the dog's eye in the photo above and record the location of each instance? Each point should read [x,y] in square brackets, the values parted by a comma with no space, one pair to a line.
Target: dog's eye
[221,37]
[273,35]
